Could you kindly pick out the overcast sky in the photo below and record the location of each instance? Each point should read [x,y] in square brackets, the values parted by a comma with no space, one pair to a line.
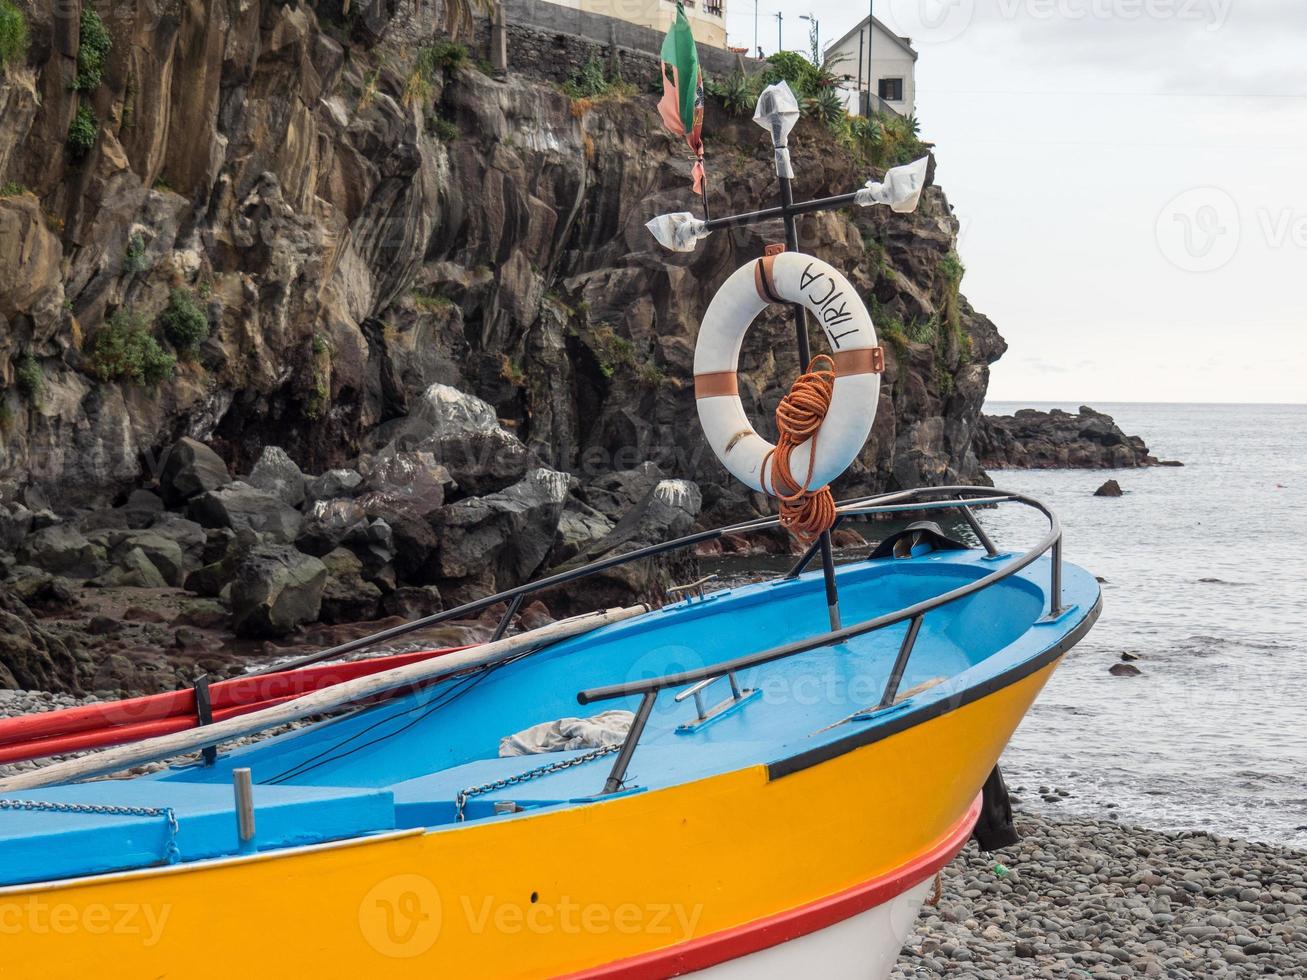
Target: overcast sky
[1131,177]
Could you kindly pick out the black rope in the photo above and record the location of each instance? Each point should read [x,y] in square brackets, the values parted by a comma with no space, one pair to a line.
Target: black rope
[460,687]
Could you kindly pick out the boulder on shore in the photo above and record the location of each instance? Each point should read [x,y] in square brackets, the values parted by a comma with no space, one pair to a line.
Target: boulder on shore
[277,473]
[190,468]
[276,589]
[241,506]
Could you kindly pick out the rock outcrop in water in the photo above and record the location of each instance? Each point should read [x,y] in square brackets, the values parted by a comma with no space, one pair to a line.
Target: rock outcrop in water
[275,224]
[1031,439]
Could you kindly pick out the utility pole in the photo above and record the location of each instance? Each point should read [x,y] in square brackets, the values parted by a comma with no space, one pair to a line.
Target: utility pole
[871,33]
[755,26]
[780,37]
[859,90]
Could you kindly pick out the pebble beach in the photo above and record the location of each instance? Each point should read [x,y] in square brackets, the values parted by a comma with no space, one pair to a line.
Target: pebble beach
[1079,897]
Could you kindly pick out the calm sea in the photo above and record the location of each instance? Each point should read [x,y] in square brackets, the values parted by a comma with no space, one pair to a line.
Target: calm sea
[1206,581]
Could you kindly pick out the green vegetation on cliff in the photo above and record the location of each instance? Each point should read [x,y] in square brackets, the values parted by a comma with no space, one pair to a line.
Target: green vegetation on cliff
[884,140]
[29,378]
[124,350]
[82,132]
[92,51]
[13,35]
[184,322]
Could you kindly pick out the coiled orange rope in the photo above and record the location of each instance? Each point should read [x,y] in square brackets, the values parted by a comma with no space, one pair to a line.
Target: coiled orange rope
[805,513]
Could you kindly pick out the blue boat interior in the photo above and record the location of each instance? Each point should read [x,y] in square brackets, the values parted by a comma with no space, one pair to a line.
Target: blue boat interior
[402,763]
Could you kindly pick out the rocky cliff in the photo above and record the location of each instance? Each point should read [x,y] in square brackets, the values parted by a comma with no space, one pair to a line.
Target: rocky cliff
[260,223]
[1031,439]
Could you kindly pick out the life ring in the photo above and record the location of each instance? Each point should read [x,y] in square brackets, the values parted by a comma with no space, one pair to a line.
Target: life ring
[787,277]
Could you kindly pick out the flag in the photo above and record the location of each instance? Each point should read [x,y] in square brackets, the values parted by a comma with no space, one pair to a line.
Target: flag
[682,103]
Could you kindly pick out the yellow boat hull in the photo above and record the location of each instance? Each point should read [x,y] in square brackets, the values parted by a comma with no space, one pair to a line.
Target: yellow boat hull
[644,884]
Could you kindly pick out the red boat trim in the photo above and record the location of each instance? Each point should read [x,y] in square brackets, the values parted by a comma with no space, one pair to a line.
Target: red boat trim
[119,722]
[699,954]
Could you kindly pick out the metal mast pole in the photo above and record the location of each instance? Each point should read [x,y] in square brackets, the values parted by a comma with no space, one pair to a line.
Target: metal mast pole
[755,28]
[780,38]
[805,355]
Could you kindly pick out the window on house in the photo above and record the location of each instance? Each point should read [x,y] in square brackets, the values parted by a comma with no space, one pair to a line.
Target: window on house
[891,89]
[713,7]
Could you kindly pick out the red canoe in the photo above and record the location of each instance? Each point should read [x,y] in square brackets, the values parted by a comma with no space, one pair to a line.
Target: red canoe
[97,726]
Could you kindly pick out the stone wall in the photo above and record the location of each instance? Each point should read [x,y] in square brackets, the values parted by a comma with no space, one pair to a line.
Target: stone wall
[556,41]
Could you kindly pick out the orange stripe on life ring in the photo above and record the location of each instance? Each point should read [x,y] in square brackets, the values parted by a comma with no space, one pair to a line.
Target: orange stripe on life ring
[868,360]
[764,280]
[715,384]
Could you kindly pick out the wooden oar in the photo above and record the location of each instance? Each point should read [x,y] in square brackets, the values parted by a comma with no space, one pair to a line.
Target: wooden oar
[166,746]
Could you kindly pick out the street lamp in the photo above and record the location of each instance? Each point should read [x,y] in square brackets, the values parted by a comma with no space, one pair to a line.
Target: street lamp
[814,37]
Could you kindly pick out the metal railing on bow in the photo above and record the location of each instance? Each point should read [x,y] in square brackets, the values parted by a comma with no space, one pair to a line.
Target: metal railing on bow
[963,499]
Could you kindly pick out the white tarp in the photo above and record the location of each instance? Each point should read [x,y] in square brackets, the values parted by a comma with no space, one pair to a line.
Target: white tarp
[901,189]
[777,112]
[679,232]
[568,734]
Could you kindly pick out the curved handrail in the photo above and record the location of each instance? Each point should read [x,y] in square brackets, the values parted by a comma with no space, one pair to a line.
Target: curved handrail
[1050,540]
[914,614]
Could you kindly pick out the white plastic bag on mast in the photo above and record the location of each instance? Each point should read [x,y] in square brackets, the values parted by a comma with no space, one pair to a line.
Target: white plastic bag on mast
[679,232]
[901,189]
[777,112]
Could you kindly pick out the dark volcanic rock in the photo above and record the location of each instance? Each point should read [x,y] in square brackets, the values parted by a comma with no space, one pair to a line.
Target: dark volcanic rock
[509,534]
[328,523]
[333,483]
[276,588]
[190,468]
[276,473]
[667,511]
[32,658]
[239,505]
[413,602]
[1124,670]
[347,597]
[1032,439]
[1109,489]
[64,550]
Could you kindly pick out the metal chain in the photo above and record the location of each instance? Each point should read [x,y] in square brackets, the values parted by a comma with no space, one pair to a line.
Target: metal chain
[171,852]
[460,801]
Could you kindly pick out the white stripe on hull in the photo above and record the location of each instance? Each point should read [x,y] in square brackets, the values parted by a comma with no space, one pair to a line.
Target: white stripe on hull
[864,947]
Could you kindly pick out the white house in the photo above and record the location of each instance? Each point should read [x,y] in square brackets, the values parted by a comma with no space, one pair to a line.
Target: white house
[707,17]
[891,77]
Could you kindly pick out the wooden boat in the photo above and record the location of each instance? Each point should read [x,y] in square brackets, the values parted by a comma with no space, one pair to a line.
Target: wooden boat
[782,800]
